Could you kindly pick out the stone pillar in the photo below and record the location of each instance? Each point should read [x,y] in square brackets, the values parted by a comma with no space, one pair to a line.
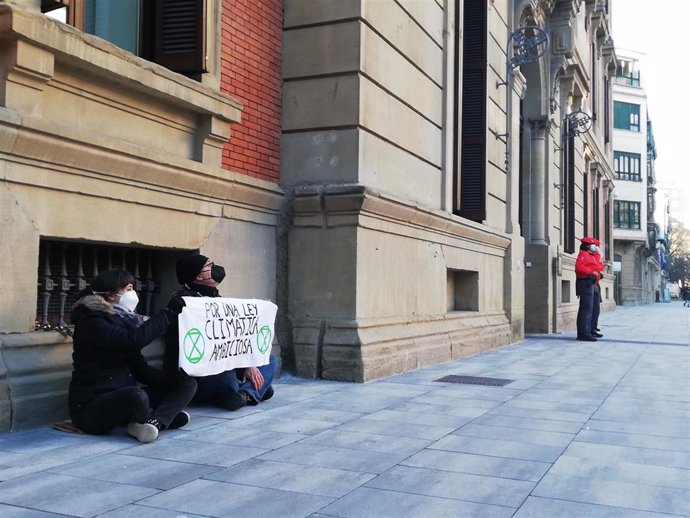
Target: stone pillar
[536,177]
[514,285]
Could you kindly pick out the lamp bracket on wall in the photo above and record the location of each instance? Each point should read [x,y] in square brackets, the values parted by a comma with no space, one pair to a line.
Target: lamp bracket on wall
[529,43]
[500,136]
[579,122]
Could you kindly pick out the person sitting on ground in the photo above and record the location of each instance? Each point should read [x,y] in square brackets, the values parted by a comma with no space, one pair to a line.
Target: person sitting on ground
[108,365]
[229,390]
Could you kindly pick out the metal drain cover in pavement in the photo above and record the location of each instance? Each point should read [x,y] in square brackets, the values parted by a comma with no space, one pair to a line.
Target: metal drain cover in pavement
[474,380]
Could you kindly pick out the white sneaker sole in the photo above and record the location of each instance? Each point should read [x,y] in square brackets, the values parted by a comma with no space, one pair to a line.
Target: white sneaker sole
[145,432]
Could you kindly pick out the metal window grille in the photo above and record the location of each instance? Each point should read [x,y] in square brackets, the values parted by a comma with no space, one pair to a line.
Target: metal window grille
[65,268]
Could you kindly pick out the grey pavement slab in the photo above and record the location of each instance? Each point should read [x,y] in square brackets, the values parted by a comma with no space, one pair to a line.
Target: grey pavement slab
[537,507]
[240,436]
[221,499]
[460,486]
[195,452]
[11,511]
[375,503]
[399,416]
[69,495]
[614,454]
[365,461]
[515,434]
[141,511]
[631,472]
[663,428]
[293,477]
[139,471]
[529,423]
[478,464]
[616,494]
[602,429]
[498,448]
[635,440]
[416,431]
[368,442]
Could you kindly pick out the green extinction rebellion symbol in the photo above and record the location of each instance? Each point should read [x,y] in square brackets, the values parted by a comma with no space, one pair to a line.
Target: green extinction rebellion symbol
[263,339]
[194,345]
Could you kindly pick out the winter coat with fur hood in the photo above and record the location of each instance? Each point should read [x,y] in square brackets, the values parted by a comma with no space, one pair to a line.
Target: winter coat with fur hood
[107,350]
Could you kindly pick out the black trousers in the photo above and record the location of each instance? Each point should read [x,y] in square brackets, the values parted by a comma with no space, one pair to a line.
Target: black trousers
[104,413]
[596,307]
[585,290]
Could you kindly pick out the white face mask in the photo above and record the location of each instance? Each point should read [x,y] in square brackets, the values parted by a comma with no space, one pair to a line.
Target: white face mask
[129,300]
[593,248]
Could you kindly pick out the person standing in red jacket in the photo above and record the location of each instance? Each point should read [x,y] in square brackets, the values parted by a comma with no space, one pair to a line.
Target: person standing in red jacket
[596,307]
[587,271]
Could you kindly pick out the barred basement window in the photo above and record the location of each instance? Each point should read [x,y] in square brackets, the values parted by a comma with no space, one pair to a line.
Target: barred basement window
[65,268]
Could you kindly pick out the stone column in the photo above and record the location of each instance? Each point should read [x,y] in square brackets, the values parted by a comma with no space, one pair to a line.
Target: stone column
[537,182]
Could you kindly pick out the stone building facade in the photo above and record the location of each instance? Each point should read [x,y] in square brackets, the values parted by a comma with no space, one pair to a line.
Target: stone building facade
[424,203]
[638,272]
[566,175]
[113,160]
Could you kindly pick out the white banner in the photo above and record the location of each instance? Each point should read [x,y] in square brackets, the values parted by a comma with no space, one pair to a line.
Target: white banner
[219,334]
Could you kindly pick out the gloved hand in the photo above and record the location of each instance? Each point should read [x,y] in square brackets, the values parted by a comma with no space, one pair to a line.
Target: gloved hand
[175,305]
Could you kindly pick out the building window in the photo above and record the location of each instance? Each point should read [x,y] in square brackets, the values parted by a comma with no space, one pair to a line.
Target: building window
[469,175]
[168,32]
[627,74]
[627,166]
[626,116]
[65,268]
[626,214]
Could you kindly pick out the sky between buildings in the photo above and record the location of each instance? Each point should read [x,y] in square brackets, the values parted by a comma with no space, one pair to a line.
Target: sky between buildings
[659,29]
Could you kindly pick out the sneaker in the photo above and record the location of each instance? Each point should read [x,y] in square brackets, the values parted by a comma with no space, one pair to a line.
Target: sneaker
[232,401]
[180,420]
[586,339]
[143,432]
[268,394]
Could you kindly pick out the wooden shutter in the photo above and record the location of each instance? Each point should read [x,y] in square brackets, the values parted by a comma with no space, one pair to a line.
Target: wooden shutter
[179,35]
[49,5]
[470,187]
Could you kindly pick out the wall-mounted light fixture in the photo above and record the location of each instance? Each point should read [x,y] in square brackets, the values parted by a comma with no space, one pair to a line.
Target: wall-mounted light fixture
[579,122]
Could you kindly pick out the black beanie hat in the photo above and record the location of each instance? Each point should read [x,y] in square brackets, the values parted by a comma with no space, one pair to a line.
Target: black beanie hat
[188,267]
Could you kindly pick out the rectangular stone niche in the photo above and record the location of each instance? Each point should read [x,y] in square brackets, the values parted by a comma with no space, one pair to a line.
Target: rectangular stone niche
[565,291]
[462,290]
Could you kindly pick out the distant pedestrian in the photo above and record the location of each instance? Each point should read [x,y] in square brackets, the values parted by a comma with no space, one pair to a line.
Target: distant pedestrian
[686,296]
[596,304]
[587,272]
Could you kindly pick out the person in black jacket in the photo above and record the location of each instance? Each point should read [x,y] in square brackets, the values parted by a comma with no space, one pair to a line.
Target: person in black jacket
[229,390]
[108,364]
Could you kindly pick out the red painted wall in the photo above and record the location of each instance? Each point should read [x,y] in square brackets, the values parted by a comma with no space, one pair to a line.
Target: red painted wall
[251,36]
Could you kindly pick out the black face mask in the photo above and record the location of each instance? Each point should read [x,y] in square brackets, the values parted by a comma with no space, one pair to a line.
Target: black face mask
[217,273]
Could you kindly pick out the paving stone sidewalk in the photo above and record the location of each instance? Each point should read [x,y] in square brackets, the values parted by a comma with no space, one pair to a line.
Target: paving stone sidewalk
[585,430]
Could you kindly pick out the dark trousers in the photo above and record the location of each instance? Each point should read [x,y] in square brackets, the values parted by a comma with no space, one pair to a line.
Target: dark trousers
[215,387]
[104,413]
[596,307]
[585,290]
